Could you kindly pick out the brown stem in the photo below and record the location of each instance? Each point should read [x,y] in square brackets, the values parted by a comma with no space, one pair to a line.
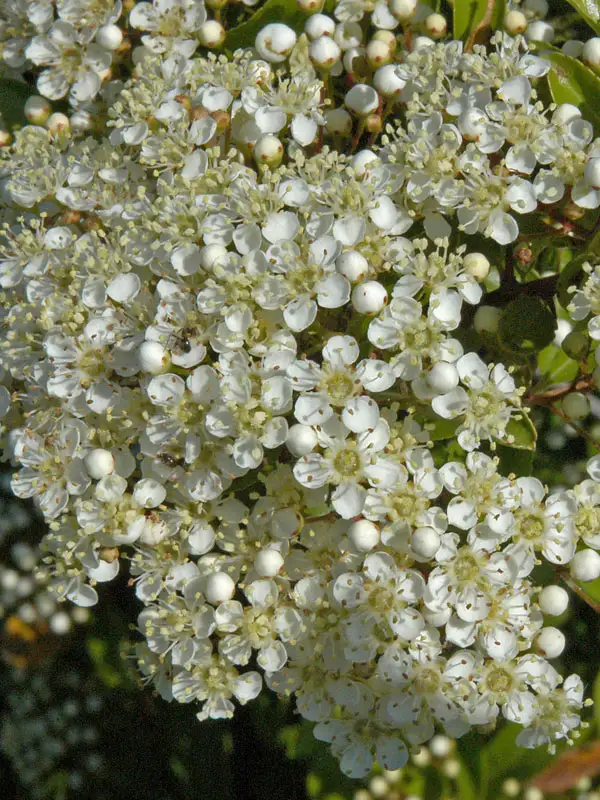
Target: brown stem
[581,431]
[486,22]
[564,576]
[584,384]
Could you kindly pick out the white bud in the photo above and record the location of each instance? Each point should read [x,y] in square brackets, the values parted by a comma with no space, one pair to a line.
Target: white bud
[425,543]
[369,297]
[348,34]
[387,81]
[533,793]
[219,588]
[310,6]
[362,99]
[268,150]
[436,25]
[275,42]
[573,48]
[58,122]
[301,440]
[539,31]
[536,8]
[553,600]
[592,172]
[441,746]
[211,34]
[268,562]
[576,405]
[60,623]
[324,52]
[210,254]
[361,161]
[149,492]
[477,265]
[153,358]
[378,54]
[511,787]
[515,22]
[37,109]
[550,642]
[565,113]
[99,463]
[319,25]
[364,535]
[443,377]
[487,318]
[352,265]
[403,10]
[81,121]
[110,37]
[338,120]
[379,787]
[585,566]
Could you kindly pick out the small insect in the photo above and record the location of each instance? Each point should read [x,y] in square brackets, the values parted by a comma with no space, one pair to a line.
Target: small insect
[182,340]
[170,460]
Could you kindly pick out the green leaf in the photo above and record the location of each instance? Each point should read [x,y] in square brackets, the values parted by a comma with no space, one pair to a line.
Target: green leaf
[513,459]
[570,276]
[13,96]
[527,324]
[437,429]
[590,11]
[570,81]
[285,11]
[468,14]
[521,433]
[501,759]
[556,366]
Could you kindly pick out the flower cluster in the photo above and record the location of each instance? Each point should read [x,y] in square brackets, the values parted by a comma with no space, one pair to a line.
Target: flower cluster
[235,323]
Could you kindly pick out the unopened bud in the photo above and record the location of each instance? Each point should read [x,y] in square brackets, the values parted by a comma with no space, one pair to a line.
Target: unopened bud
[268,150]
[436,26]
[211,34]
[37,110]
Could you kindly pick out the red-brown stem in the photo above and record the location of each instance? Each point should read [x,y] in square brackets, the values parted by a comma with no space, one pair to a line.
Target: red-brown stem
[566,578]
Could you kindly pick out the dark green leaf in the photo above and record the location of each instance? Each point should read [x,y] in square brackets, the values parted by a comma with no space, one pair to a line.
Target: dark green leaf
[517,461]
[590,11]
[570,276]
[571,81]
[527,324]
[13,96]
[468,14]
[285,11]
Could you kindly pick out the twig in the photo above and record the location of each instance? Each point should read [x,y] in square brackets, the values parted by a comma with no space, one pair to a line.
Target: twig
[581,431]
[486,22]
[564,576]
[583,384]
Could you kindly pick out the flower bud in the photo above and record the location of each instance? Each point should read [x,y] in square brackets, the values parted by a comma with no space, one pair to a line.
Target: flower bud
[576,345]
[515,22]
[369,297]
[37,109]
[377,54]
[219,588]
[403,10]
[539,31]
[436,26]
[338,120]
[81,121]
[364,535]
[537,9]
[362,99]
[573,48]
[443,377]
[211,34]
[99,463]
[301,440]
[110,37]
[585,566]
[550,642]
[56,123]
[511,787]
[441,746]
[387,81]
[576,405]
[268,150]
[487,319]
[319,25]
[477,265]
[153,358]
[324,52]
[389,37]
[553,601]
[425,543]
[5,138]
[352,265]
[374,123]
[310,6]
[275,42]
[268,562]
